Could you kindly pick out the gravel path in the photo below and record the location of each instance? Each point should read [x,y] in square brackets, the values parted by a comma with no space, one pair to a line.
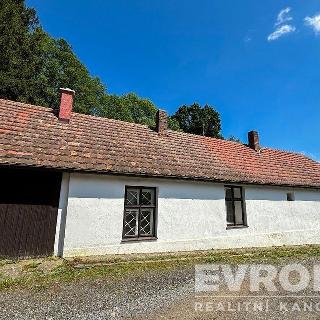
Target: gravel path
[156,294]
[101,299]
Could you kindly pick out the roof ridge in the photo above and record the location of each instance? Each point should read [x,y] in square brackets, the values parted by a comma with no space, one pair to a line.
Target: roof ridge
[198,136]
[124,122]
[24,104]
[108,119]
[297,153]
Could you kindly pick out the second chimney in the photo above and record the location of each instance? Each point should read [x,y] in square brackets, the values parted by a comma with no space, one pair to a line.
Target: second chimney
[161,122]
[66,104]
[253,140]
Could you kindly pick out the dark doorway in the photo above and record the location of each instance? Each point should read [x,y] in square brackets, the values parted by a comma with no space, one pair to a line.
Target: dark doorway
[29,202]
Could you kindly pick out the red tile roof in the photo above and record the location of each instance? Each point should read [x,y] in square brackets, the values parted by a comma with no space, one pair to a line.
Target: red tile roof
[33,136]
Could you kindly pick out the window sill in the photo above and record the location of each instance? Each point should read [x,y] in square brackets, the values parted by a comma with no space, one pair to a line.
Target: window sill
[139,239]
[236,227]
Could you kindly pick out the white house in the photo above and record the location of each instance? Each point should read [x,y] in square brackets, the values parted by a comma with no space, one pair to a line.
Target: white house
[83,185]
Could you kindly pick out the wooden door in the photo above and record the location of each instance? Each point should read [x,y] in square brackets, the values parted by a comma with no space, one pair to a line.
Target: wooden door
[28,212]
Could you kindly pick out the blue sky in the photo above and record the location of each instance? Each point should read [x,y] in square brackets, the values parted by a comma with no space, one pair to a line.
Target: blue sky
[257,62]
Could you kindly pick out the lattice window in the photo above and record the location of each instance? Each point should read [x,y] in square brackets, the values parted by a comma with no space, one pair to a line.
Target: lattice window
[132,197]
[139,213]
[130,222]
[146,222]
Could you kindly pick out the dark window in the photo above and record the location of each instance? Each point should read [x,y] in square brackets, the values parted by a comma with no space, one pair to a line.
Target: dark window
[139,213]
[235,206]
[290,196]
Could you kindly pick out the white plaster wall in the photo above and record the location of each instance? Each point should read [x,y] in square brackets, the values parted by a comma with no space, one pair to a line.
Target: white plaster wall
[191,216]
[62,214]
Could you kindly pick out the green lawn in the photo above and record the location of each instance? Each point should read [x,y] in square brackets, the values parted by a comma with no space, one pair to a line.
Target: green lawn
[39,274]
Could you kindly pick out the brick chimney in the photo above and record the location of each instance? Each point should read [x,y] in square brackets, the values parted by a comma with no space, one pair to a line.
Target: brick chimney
[66,104]
[161,122]
[253,140]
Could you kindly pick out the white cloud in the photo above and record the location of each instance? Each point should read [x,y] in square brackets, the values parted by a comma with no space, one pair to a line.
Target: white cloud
[280,31]
[281,27]
[313,22]
[283,16]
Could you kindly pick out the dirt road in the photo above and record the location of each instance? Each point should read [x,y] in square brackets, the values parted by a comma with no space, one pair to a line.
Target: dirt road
[153,294]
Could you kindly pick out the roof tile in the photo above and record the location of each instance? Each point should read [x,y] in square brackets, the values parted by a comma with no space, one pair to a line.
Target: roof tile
[33,136]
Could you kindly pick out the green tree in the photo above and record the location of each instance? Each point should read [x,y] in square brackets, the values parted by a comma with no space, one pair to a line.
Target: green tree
[61,68]
[19,45]
[128,107]
[131,108]
[173,124]
[234,139]
[199,120]
[33,66]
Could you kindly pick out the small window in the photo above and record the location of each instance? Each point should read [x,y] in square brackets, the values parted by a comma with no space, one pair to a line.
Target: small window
[235,206]
[290,196]
[139,213]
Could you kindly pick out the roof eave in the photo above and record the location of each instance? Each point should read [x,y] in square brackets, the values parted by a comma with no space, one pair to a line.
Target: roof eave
[149,175]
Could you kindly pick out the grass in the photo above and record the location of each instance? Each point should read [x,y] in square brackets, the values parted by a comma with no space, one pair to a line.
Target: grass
[33,278]
[4,262]
[30,266]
